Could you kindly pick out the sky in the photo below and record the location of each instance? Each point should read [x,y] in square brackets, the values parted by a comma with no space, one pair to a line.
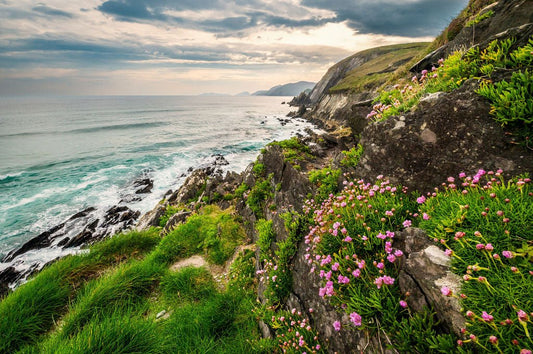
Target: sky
[183,47]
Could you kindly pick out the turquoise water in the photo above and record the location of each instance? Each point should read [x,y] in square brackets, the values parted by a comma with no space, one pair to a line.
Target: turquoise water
[62,155]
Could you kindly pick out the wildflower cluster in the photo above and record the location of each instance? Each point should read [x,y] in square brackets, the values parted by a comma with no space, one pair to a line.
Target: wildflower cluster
[350,247]
[484,223]
[294,334]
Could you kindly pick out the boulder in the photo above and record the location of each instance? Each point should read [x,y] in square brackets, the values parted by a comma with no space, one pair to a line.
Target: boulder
[447,133]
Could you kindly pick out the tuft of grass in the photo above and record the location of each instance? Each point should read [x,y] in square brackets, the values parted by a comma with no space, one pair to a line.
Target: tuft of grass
[352,156]
[213,232]
[124,288]
[294,151]
[169,212]
[188,284]
[116,333]
[33,309]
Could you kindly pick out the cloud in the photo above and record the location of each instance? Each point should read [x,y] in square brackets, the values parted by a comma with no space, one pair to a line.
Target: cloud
[414,18]
[46,10]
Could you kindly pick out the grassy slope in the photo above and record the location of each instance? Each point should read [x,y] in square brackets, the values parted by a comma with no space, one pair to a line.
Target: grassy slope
[107,300]
[383,63]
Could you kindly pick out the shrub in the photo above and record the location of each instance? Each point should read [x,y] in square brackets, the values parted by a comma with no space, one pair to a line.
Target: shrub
[352,156]
[265,237]
[258,196]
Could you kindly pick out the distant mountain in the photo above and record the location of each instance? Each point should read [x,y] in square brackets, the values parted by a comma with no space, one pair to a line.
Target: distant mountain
[245,93]
[292,89]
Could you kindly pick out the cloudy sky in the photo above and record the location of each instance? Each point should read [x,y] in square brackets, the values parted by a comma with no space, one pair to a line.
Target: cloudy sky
[172,47]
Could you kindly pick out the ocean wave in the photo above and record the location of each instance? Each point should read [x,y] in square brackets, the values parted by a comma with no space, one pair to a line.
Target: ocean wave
[8,177]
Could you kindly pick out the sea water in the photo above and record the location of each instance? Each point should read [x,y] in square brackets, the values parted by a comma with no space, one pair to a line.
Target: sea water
[60,155]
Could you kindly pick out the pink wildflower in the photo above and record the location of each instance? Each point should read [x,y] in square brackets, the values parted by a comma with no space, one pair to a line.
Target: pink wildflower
[487,317]
[335,266]
[355,318]
[507,254]
[421,200]
[522,316]
[446,291]
[406,223]
[337,326]
[403,304]
[493,339]
[425,216]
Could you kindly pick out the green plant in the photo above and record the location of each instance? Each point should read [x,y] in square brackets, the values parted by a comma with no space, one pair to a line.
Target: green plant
[480,17]
[239,192]
[485,227]
[326,180]
[169,211]
[188,284]
[265,237]
[352,156]
[511,102]
[212,231]
[294,150]
[259,194]
[259,169]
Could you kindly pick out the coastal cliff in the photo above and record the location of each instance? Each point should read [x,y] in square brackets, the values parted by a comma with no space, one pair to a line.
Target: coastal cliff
[406,227]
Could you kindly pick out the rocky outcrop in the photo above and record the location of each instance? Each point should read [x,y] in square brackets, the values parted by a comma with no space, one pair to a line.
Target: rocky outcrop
[511,19]
[446,134]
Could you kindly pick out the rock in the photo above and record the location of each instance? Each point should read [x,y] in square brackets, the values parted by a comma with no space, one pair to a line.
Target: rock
[143,186]
[425,270]
[191,189]
[40,241]
[445,135]
[175,220]
[160,314]
[510,19]
[7,276]
[152,217]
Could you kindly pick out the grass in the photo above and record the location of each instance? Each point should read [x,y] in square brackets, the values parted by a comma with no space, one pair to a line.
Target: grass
[104,301]
[376,71]
[32,310]
[211,232]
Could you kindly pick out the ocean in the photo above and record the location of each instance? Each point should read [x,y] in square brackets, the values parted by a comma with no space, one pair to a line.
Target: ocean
[60,155]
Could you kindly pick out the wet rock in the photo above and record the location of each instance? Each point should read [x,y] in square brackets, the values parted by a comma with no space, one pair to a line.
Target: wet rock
[143,186]
[7,276]
[40,241]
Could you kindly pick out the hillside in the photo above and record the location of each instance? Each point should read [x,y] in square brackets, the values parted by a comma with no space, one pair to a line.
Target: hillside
[405,228]
[291,89]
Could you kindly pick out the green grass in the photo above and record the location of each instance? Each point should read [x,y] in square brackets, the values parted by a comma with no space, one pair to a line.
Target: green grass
[212,232]
[376,71]
[188,284]
[326,180]
[169,212]
[32,310]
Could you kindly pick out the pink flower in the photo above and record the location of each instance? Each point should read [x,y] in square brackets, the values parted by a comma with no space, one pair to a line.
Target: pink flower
[335,266]
[425,216]
[403,304]
[487,317]
[337,326]
[469,314]
[347,239]
[448,252]
[356,273]
[480,246]
[522,316]
[446,291]
[525,351]
[391,258]
[355,318]
[398,253]
[489,247]
[421,200]
[462,175]
[380,265]
[507,254]
[406,223]
[493,339]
